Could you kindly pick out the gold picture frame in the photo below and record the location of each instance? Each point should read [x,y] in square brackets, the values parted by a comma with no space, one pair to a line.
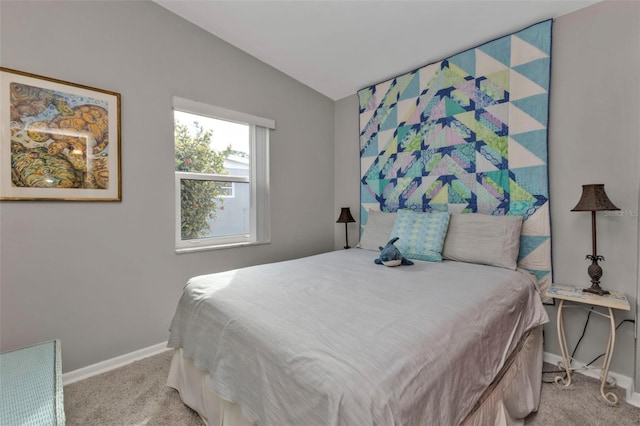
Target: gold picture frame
[58,140]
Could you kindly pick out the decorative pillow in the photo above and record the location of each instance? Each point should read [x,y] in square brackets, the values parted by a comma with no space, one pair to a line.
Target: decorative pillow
[421,235]
[377,230]
[484,239]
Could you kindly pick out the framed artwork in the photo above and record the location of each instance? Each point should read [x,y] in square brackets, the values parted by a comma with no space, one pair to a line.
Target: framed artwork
[58,140]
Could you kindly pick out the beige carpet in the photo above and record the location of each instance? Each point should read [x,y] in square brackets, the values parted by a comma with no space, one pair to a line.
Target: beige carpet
[580,404]
[136,395]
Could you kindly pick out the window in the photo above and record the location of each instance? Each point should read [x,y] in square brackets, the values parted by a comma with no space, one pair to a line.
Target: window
[221,176]
[226,189]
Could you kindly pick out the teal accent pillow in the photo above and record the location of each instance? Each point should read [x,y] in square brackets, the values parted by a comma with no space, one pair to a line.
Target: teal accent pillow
[421,235]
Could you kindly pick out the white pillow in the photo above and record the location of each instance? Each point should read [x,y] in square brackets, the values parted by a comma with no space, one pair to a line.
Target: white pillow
[483,239]
[377,230]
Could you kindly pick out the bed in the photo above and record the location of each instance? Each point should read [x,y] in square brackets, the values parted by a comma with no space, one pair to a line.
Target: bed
[453,162]
[334,339]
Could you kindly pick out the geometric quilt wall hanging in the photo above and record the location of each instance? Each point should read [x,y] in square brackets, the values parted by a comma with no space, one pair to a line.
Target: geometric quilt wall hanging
[466,134]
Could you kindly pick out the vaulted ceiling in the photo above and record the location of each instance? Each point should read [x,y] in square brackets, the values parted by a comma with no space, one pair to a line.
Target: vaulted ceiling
[339,47]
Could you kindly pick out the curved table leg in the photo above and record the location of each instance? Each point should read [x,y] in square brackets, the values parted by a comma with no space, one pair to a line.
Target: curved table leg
[610,397]
[566,362]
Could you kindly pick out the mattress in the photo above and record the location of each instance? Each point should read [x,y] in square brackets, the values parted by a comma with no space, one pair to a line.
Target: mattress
[334,339]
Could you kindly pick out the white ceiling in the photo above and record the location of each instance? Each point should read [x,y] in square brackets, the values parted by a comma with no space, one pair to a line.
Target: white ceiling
[339,47]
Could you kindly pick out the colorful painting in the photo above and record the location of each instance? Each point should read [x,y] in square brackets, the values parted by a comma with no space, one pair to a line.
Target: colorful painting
[59,141]
[466,134]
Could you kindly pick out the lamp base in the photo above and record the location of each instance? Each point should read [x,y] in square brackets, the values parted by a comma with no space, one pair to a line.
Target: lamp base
[347,247]
[596,289]
[595,273]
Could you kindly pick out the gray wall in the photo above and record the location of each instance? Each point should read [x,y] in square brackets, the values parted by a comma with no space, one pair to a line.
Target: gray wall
[103,277]
[594,137]
[347,165]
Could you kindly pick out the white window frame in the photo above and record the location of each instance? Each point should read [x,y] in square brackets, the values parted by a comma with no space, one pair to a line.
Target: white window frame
[259,222]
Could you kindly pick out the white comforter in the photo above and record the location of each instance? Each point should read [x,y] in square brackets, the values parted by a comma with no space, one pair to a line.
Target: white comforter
[334,339]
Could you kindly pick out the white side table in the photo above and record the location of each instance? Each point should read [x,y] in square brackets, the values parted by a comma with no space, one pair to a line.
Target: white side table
[577,298]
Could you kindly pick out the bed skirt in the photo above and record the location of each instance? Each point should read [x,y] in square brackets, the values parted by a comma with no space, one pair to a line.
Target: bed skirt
[514,394]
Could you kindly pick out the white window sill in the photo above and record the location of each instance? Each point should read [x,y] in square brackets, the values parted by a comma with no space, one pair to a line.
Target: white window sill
[185,250]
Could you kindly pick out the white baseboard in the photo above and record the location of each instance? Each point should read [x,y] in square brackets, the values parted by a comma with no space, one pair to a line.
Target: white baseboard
[624,382]
[113,363]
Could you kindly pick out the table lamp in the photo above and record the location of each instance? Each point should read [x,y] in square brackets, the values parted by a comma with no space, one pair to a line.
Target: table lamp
[594,199]
[345,217]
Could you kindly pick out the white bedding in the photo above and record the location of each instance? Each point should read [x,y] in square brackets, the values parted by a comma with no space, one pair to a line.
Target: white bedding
[334,339]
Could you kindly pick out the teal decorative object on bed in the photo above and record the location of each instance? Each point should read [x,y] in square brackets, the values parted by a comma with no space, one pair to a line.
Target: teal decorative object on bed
[466,134]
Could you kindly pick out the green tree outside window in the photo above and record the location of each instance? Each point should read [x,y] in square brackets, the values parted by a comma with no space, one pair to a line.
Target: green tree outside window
[200,199]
